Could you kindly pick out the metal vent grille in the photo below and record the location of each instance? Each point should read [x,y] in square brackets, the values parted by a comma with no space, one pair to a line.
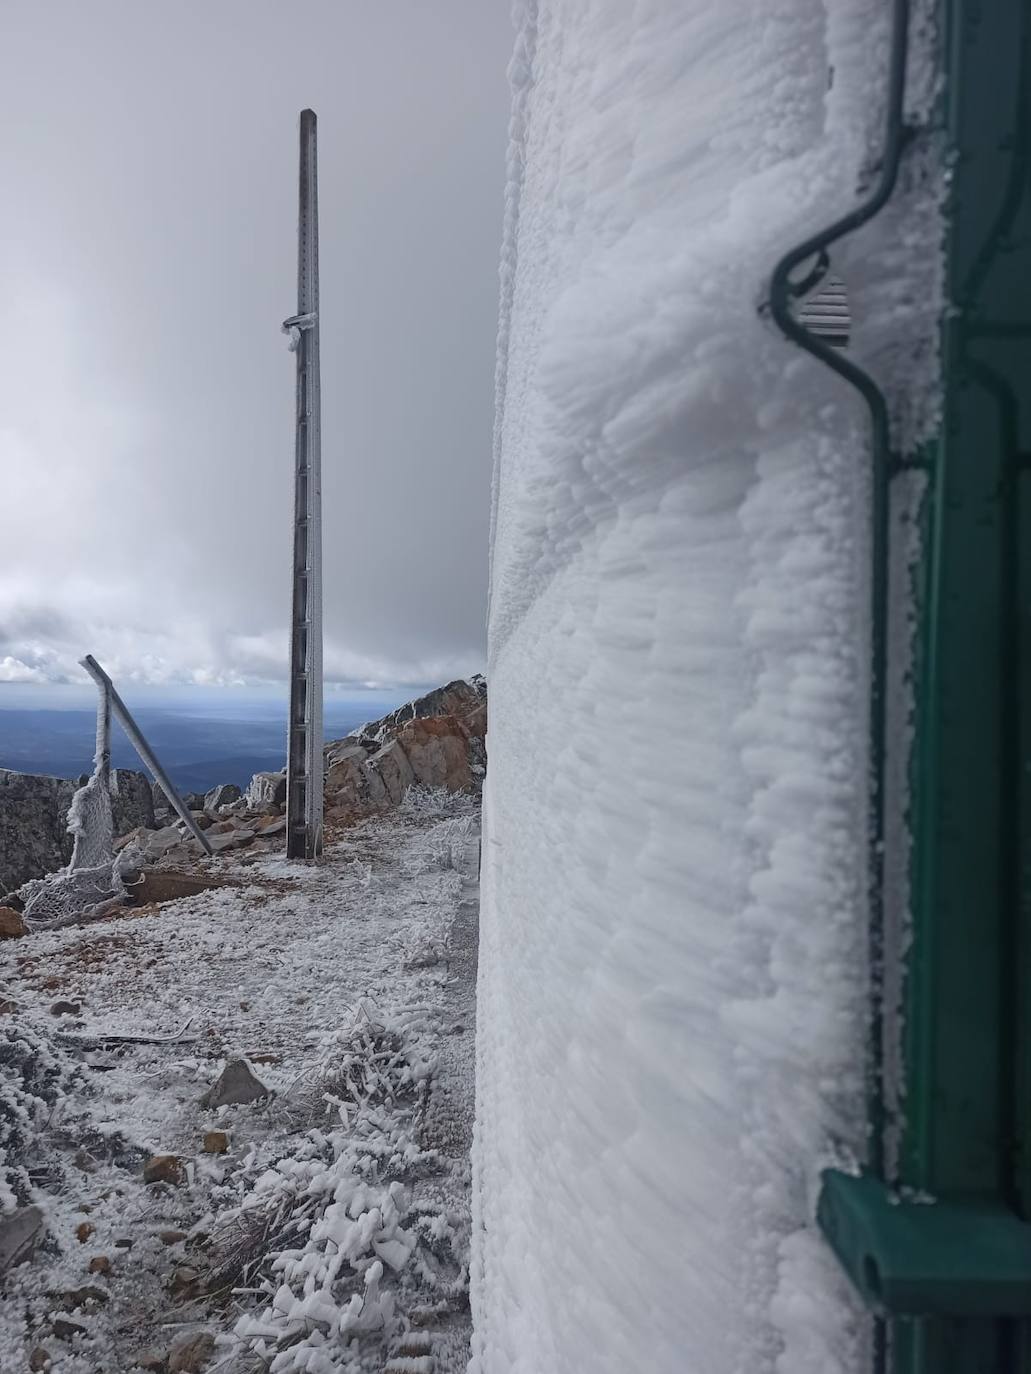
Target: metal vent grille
[825,313]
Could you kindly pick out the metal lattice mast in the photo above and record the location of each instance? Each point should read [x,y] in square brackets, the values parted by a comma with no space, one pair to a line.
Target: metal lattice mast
[304,747]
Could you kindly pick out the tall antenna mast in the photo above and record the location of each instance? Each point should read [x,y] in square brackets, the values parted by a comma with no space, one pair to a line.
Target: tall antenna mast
[304,746]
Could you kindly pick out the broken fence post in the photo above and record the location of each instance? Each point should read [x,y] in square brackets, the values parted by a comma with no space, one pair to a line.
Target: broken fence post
[143,748]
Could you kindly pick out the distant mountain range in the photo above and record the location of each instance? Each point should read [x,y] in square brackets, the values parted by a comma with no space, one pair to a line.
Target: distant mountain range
[197,751]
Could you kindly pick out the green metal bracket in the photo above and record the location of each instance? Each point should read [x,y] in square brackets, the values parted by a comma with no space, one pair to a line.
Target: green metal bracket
[953,1278]
[912,1257]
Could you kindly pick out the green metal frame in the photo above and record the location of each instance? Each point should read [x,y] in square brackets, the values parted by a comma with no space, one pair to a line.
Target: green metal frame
[968,996]
[943,1250]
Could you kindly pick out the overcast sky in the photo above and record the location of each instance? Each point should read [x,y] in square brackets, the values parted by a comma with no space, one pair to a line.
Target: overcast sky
[148,166]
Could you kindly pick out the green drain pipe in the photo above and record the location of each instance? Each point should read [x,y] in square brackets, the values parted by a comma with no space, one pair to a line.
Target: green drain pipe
[940,1247]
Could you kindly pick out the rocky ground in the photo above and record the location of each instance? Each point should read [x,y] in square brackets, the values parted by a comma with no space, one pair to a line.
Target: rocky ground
[317,1222]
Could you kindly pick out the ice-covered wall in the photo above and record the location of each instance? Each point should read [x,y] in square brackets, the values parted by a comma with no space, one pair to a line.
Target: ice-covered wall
[673,951]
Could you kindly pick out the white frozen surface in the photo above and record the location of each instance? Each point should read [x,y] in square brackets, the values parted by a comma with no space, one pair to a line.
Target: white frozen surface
[673,928]
[293,967]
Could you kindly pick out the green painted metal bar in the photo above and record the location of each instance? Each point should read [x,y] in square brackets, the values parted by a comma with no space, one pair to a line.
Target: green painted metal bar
[938,1240]
[944,1248]
[941,1250]
[968,1092]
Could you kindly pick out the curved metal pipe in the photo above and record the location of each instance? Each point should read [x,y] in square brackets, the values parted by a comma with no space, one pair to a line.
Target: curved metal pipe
[784,289]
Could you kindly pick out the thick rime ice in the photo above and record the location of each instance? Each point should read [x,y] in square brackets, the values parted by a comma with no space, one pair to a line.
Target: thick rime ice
[673,978]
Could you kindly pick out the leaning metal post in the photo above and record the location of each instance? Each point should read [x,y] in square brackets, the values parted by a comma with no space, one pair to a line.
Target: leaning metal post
[102,756]
[304,778]
[142,748]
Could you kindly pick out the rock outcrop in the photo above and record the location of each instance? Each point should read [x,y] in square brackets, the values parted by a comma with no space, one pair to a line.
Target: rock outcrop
[223,795]
[266,789]
[437,740]
[132,801]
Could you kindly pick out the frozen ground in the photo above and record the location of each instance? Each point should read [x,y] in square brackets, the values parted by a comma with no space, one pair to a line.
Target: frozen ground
[332,1236]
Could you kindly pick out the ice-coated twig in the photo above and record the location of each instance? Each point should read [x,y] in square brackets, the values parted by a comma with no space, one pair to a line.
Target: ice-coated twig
[88,1041]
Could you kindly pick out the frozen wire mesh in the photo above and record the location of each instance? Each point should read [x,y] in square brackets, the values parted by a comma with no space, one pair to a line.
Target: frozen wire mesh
[93,877]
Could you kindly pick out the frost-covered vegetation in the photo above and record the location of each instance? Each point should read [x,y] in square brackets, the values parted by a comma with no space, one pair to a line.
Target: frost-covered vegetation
[323,1226]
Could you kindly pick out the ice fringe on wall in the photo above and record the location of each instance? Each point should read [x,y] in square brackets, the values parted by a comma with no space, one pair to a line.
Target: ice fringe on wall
[673,981]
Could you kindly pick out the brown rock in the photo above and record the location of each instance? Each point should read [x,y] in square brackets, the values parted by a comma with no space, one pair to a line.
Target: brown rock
[474,723]
[234,839]
[391,768]
[89,1298]
[12,924]
[40,1358]
[100,1264]
[167,885]
[83,1231]
[65,1329]
[184,1280]
[437,751]
[346,781]
[190,1353]
[164,1169]
[215,1142]
[65,1009]
[155,1361]
[171,1237]
[7,1007]
[460,698]
[142,833]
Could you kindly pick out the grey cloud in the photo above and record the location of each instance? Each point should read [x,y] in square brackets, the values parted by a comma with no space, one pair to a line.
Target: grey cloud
[147,252]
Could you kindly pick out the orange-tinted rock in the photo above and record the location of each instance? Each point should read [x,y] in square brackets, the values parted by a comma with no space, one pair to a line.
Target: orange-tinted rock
[164,1169]
[437,751]
[12,924]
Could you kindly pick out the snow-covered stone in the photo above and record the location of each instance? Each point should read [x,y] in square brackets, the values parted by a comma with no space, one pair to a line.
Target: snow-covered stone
[235,1084]
[20,1233]
[164,1169]
[190,1352]
[223,795]
[459,698]
[266,789]
[159,842]
[236,838]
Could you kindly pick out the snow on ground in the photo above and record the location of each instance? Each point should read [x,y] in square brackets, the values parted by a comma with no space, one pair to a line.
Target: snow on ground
[673,986]
[332,1236]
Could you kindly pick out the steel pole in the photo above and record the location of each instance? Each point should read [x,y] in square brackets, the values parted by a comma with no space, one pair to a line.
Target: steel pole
[304,778]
